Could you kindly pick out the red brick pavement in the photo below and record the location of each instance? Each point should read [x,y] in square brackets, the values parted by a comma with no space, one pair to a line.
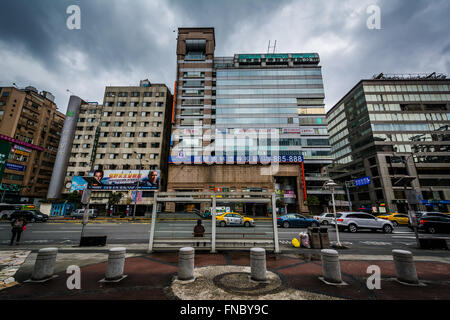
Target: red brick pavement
[149,277]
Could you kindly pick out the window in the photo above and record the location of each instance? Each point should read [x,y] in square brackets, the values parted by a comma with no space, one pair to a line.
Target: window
[145,124]
[129,145]
[118,123]
[132,114]
[135,94]
[126,156]
[143,114]
[113,155]
[142,145]
[157,114]
[156,134]
[130,134]
[107,114]
[110,94]
[123,94]
[154,145]
[115,144]
[119,114]
[117,134]
[147,94]
[131,124]
[143,134]
[121,104]
[134,104]
[146,104]
[153,156]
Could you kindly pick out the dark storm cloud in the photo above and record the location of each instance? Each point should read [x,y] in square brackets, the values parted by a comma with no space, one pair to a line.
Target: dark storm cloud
[121,42]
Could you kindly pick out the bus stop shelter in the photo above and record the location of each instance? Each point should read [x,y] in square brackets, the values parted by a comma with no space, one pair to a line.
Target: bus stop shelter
[214,198]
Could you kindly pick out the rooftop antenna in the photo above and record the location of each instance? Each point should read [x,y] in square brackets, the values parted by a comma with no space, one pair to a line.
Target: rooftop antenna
[274,46]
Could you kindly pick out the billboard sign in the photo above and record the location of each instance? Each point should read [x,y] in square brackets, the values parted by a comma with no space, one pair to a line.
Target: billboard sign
[16,167]
[21,150]
[124,180]
[22,143]
[78,184]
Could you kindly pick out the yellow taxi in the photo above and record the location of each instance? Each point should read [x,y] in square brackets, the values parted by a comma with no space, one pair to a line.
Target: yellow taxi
[234,219]
[396,218]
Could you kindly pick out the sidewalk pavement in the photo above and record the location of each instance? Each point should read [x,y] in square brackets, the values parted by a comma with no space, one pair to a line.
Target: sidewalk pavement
[295,276]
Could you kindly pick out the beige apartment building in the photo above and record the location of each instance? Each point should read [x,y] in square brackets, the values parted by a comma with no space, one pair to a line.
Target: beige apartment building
[32,124]
[130,131]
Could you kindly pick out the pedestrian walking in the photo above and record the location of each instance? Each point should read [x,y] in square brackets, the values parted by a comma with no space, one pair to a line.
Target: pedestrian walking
[18,226]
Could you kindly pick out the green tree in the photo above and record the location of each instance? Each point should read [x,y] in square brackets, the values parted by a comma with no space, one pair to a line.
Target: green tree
[313,200]
[114,198]
[74,197]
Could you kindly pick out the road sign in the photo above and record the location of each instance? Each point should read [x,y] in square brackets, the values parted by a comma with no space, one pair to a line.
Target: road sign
[362,181]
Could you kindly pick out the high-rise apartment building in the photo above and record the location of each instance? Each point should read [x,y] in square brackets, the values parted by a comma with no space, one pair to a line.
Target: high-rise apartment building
[130,131]
[30,126]
[394,130]
[237,116]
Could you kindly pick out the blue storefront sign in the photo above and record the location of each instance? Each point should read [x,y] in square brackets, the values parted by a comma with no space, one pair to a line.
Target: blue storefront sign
[362,181]
[17,167]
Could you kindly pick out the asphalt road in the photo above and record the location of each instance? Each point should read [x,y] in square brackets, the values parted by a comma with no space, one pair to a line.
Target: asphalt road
[128,233]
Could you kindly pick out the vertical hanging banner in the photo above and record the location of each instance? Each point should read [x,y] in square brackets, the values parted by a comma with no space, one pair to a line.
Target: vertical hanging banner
[5,148]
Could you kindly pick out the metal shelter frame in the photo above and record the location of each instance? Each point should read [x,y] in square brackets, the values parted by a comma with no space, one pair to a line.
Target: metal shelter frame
[212,197]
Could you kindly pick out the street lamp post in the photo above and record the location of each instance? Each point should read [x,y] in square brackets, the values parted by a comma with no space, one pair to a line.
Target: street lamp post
[331,185]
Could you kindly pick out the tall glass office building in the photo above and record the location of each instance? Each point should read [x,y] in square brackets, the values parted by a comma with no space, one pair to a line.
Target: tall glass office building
[233,114]
[395,130]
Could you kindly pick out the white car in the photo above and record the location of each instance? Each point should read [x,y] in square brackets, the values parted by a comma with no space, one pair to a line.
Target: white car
[325,218]
[353,221]
[78,213]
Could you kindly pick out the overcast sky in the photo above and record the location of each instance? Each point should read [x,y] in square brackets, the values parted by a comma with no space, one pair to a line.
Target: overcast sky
[121,42]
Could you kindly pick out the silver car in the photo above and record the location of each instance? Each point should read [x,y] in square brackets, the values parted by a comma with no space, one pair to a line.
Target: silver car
[325,218]
[353,221]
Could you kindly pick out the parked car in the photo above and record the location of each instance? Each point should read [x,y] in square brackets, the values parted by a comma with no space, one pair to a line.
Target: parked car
[434,223]
[296,220]
[29,215]
[78,213]
[234,219]
[353,221]
[396,218]
[325,218]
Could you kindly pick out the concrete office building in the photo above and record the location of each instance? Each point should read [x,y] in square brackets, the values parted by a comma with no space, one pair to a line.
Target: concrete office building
[394,129]
[31,123]
[130,131]
[271,105]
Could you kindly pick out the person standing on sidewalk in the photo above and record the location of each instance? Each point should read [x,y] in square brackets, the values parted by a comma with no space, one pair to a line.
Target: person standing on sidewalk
[18,226]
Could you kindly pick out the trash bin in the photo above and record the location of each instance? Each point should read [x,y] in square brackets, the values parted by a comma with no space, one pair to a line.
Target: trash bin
[324,239]
[314,237]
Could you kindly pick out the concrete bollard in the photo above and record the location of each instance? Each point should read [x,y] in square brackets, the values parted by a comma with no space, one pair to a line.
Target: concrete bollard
[45,264]
[330,266]
[116,263]
[405,267]
[186,263]
[258,264]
